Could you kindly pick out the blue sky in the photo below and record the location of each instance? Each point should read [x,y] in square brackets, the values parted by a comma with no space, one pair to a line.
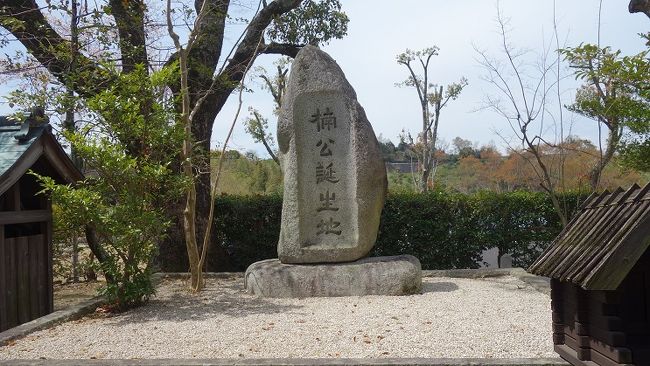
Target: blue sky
[381,29]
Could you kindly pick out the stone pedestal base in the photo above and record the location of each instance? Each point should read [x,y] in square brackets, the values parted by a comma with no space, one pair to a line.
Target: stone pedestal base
[398,275]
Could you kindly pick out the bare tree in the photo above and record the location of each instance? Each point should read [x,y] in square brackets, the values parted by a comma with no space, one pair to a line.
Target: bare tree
[433,98]
[257,127]
[523,94]
[276,84]
[188,113]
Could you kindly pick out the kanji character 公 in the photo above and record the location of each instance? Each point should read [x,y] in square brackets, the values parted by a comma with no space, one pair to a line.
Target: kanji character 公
[324,147]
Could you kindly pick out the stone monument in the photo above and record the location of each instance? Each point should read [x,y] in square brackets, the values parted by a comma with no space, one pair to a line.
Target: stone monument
[334,190]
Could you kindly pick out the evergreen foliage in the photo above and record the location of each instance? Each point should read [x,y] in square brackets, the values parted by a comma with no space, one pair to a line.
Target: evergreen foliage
[119,201]
[444,230]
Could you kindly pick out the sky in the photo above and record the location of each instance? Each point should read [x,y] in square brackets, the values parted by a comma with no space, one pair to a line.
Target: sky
[381,29]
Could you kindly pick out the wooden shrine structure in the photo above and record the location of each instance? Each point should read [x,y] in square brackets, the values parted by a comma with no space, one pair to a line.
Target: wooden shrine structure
[599,267]
[26,217]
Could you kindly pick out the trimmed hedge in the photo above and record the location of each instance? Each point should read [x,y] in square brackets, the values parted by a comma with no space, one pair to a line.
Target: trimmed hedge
[435,227]
[247,227]
[444,230]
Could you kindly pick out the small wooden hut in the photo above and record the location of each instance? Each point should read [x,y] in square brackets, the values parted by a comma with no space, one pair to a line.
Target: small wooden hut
[26,217]
[599,267]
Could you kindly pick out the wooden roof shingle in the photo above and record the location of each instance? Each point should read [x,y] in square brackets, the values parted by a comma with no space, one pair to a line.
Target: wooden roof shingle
[602,243]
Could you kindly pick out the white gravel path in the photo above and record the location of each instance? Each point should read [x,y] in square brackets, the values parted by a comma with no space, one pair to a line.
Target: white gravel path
[499,317]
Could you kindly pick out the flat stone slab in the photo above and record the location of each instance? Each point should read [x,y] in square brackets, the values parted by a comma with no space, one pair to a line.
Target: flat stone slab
[397,275]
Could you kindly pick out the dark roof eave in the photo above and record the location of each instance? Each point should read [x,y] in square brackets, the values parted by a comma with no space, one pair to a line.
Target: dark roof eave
[44,145]
[60,160]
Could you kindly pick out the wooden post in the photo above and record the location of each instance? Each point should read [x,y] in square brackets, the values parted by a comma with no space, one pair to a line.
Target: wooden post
[48,242]
[581,324]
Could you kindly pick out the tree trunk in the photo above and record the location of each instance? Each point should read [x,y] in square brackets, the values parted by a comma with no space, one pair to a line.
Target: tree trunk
[98,251]
[426,155]
[35,32]
[434,134]
[425,175]
[173,256]
[612,143]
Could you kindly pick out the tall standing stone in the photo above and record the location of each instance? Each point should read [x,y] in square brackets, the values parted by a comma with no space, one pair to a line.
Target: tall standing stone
[334,191]
[334,174]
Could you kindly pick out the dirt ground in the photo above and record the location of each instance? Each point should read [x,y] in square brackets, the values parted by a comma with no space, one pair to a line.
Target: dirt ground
[69,294]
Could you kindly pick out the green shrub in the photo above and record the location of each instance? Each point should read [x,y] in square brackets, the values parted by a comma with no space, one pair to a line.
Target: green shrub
[247,227]
[436,227]
[443,230]
[128,154]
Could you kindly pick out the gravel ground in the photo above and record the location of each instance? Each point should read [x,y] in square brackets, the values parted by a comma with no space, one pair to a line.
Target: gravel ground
[495,318]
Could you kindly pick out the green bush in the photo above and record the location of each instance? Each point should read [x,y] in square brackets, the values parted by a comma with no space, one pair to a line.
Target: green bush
[520,223]
[247,227]
[128,152]
[443,230]
[436,227]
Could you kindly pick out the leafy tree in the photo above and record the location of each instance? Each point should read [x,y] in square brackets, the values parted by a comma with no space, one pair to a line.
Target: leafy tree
[247,174]
[276,84]
[128,32]
[387,148]
[492,171]
[465,148]
[431,96]
[616,94]
[119,200]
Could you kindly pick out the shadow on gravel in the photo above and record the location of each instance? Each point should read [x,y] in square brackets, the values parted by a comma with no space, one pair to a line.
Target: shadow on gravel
[439,287]
[218,298]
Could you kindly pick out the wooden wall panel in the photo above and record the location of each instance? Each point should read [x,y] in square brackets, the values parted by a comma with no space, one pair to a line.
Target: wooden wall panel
[11,288]
[41,280]
[23,280]
[22,261]
[47,231]
[33,243]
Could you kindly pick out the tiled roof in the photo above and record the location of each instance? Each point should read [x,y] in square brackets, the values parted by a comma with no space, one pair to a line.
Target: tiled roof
[12,148]
[21,145]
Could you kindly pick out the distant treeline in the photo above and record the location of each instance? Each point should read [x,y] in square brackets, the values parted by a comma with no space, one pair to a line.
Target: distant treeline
[462,167]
